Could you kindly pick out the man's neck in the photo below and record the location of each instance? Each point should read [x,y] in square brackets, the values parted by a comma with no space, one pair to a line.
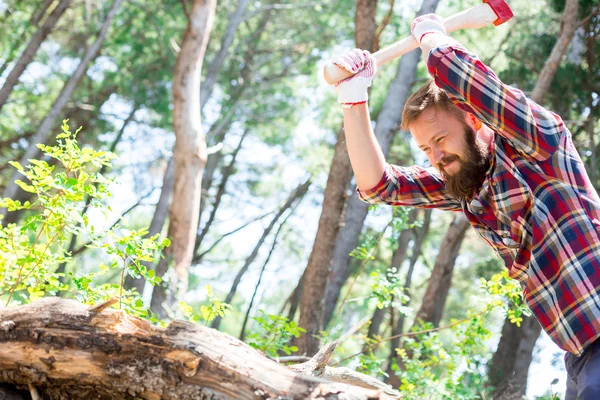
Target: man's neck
[486,134]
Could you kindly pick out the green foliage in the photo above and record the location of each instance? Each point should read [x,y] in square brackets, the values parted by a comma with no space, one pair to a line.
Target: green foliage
[276,334]
[551,395]
[445,364]
[386,291]
[30,251]
[369,362]
[507,294]
[214,308]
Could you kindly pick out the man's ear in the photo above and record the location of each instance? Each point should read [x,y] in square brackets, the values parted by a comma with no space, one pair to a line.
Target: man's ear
[474,120]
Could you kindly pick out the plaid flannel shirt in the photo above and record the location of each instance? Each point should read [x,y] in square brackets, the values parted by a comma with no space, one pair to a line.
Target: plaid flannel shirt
[536,208]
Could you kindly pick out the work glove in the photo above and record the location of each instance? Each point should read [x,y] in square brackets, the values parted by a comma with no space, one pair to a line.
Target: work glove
[353,90]
[428,23]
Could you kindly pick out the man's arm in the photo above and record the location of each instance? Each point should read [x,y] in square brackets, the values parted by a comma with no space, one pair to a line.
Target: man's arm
[378,182]
[366,157]
[475,88]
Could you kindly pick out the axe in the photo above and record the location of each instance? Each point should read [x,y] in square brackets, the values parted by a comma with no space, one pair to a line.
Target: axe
[491,11]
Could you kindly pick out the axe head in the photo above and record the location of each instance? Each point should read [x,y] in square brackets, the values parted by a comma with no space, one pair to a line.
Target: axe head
[502,10]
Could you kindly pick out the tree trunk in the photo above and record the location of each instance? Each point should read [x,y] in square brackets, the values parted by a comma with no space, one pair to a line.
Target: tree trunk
[221,128]
[313,294]
[420,235]
[158,221]
[217,132]
[296,194]
[262,271]
[190,147]
[439,283]
[226,174]
[386,129]
[506,360]
[235,19]
[62,349]
[294,299]
[44,130]
[34,44]
[568,26]
[501,370]
[398,258]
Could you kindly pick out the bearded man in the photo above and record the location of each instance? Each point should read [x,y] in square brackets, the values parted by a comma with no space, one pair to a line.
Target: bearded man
[511,167]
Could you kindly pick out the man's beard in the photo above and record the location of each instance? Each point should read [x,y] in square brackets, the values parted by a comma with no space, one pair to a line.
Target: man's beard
[473,167]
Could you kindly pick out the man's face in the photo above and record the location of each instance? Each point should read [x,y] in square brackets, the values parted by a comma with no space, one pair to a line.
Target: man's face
[452,146]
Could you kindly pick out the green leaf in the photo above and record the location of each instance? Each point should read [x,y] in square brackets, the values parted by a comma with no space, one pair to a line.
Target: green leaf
[17,165]
[71,182]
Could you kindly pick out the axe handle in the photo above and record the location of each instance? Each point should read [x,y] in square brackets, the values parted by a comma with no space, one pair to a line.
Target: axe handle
[474,18]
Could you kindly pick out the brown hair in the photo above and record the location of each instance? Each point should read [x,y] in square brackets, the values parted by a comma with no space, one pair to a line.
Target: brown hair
[428,95]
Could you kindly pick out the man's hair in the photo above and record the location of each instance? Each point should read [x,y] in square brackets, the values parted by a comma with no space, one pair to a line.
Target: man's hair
[428,95]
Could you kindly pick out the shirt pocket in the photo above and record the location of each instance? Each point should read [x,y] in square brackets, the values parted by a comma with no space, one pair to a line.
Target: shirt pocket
[512,199]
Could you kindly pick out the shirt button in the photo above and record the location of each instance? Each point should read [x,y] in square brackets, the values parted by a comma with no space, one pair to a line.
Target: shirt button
[480,212]
[494,183]
[505,234]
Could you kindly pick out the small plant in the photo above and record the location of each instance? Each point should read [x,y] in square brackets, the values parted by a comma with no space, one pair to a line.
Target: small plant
[277,332]
[215,308]
[130,248]
[386,291]
[508,295]
[62,191]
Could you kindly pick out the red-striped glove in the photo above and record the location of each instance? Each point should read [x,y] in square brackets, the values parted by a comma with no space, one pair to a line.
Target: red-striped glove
[353,90]
[428,23]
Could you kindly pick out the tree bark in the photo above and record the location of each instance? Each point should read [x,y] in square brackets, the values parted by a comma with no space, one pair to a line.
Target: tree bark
[44,130]
[294,299]
[314,290]
[190,147]
[66,350]
[34,44]
[296,194]
[506,375]
[386,128]
[514,354]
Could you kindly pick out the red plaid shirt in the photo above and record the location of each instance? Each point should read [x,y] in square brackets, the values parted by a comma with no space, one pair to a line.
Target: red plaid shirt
[536,208]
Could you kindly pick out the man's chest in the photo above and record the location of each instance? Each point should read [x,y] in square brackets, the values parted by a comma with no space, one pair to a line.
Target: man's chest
[501,210]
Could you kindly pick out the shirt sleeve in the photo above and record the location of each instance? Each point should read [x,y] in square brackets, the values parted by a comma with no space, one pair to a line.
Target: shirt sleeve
[411,186]
[474,87]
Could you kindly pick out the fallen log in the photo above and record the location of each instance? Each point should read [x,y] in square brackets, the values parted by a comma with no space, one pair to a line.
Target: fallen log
[61,349]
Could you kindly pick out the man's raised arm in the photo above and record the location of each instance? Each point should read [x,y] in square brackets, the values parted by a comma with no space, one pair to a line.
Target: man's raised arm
[377,181]
[475,88]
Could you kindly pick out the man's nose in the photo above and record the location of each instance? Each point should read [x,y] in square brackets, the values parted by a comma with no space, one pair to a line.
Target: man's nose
[438,154]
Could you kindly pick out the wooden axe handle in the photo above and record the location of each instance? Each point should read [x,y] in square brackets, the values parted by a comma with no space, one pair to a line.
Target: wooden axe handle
[474,18]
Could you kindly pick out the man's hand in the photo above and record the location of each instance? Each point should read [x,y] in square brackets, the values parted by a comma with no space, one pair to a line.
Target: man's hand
[428,23]
[353,90]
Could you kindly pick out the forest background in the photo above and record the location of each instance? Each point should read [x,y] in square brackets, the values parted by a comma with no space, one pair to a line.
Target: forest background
[281,235]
